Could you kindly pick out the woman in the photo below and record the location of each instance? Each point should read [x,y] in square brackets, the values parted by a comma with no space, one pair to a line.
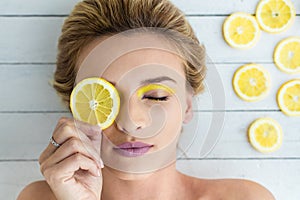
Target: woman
[93,43]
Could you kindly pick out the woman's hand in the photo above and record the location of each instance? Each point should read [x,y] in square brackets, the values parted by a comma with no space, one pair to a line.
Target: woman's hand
[73,170]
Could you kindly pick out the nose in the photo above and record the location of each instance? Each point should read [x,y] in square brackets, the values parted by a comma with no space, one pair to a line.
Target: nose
[133,116]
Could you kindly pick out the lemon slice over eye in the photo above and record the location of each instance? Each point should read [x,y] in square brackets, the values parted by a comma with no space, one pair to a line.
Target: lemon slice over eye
[265,135]
[275,16]
[241,30]
[251,82]
[95,101]
[288,98]
[287,55]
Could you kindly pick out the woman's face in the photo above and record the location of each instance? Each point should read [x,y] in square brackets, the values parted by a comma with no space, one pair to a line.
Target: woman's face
[154,104]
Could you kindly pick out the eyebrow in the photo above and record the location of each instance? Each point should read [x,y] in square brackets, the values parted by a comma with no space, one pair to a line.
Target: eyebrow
[157,80]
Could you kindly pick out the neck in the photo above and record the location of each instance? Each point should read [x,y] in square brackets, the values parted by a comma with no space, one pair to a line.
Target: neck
[166,183]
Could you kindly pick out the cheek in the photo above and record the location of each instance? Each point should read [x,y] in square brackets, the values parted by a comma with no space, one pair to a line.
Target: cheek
[113,135]
[172,126]
[174,115]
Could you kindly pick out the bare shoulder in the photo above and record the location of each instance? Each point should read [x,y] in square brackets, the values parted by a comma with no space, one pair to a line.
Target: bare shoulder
[232,189]
[244,189]
[36,191]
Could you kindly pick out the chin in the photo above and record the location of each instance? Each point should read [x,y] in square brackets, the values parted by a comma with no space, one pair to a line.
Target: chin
[128,176]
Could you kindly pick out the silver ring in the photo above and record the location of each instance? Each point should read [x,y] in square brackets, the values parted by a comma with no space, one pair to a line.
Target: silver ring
[52,141]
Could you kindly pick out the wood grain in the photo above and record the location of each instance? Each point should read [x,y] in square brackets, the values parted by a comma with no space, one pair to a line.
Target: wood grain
[30,108]
[189,7]
[34,39]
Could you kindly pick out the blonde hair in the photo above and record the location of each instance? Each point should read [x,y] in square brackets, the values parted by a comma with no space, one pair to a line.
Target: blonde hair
[91,19]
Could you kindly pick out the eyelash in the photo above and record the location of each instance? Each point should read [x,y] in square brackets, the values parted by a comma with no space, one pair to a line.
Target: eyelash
[165,98]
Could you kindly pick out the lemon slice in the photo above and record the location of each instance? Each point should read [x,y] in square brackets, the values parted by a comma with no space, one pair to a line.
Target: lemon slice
[251,82]
[287,55]
[95,101]
[288,98]
[241,30]
[275,16]
[265,135]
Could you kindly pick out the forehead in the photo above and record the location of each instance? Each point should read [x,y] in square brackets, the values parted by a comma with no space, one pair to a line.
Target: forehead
[145,63]
[112,57]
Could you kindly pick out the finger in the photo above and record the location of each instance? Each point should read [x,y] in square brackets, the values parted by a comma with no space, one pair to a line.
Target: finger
[65,170]
[67,128]
[76,128]
[64,130]
[50,149]
[70,147]
[61,122]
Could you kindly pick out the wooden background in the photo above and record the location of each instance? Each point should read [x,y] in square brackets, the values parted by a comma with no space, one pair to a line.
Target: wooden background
[29,107]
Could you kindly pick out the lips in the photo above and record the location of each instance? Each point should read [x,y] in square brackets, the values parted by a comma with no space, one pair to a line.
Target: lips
[133,149]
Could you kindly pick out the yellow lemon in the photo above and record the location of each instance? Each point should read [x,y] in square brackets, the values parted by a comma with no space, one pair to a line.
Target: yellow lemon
[241,30]
[95,101]
[275,16]
[287,55]
[288,98]
[265,135]
[251,82]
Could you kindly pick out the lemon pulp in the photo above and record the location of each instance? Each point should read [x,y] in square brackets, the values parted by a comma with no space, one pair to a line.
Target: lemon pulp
[287,55]
[95,101]
[251,82]
[265,135]
[241,30]
[275,16]
[288,98]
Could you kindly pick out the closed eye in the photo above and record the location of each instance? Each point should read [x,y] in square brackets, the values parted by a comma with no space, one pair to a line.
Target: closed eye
[164,98]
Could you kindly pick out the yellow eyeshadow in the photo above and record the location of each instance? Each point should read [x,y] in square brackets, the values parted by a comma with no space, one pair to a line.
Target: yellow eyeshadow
[141,91]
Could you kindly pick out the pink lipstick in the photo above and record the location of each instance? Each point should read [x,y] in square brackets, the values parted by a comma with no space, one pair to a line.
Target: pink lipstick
[133,149]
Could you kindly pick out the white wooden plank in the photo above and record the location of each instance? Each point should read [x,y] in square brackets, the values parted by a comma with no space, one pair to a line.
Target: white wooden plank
[27,88]
[209,32]
[29,39]
[281,177]
[220,7]
[35,7]
[14,176]
[34,40]
[232,101]
[233,141]
[25,135]
[25,130]
[190,7]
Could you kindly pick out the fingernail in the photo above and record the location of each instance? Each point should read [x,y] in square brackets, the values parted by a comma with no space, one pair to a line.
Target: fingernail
[100,162]
[98,172]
